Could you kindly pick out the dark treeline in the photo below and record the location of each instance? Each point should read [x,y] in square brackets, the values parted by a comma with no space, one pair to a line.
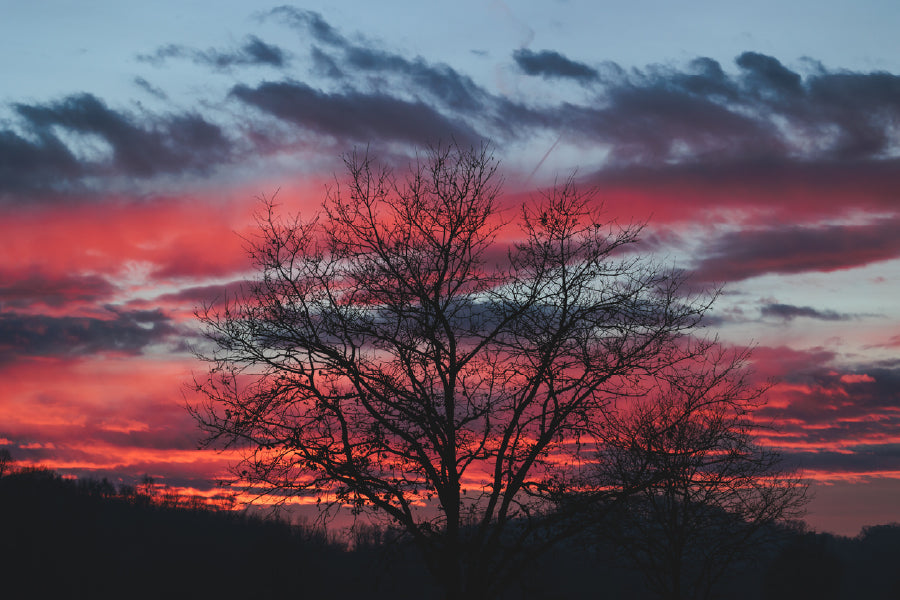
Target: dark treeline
[90,539]
[63,538]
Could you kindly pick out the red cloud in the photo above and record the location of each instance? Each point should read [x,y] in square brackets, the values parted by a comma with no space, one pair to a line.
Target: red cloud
[173,236]
[96,398]
[861,378]
[831,419]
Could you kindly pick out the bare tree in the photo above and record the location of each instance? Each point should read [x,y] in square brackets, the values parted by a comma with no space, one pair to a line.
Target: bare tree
[708,494]
[394,355]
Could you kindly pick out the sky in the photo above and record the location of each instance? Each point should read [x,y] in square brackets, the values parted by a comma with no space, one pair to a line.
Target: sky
[759,141]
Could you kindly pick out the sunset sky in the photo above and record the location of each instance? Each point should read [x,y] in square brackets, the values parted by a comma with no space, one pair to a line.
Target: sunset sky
[760,140]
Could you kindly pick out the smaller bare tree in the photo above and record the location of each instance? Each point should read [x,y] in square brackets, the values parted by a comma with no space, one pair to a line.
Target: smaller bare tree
[708,492]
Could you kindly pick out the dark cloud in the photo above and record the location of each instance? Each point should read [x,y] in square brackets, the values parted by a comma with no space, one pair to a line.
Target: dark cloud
[354,116]
[309,21]
[862,109]
[441,101]
[325,64]
[24,335]
[442,83]
[795,249]
[838,114]
[40,162]
[788,312]
[664,115]
[703,77]
[550,64]
[762,117]
[262,53]
[852,459]
[658,124]
[25,288]
[765,114]
[439,82]
[253,52]
[150,88]
[142,147]
[766,75]
[206,295]
[166,52]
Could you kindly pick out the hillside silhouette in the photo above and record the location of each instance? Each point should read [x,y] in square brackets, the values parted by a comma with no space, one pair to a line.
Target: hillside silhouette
[89,539]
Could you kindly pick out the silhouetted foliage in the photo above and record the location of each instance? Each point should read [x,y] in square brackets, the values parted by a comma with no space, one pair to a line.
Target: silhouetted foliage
[869,562]
[6,461]
[63,538]
[82,539]
[707,492]
[807,568]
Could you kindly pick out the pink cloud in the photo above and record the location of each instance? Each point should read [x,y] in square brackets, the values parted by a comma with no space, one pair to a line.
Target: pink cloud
[175,236]
[99,413]
[861,378]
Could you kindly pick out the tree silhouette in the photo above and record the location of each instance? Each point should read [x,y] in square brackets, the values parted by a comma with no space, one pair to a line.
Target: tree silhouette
[6,461]
[710,492]
[392,355]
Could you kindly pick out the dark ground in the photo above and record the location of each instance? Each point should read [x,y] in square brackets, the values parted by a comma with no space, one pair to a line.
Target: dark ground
[87,539]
